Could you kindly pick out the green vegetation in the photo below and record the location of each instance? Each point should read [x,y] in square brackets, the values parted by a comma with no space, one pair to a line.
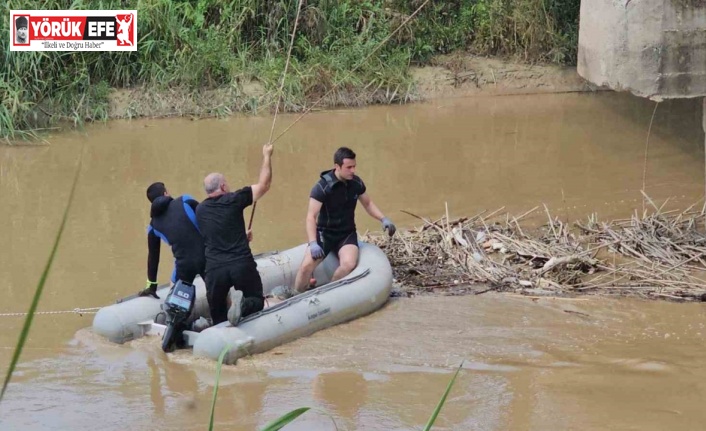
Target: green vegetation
[442,401]
[215,386]
[197,45]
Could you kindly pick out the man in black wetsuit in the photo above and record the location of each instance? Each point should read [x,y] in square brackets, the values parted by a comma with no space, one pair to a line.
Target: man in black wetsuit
[229,260]
[174,222]
[330,220]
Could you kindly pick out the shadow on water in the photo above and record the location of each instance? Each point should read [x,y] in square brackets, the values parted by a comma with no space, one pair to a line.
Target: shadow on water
[677,121]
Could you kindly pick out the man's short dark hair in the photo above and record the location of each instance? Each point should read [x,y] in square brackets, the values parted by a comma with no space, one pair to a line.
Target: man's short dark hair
[343,153]
[155,190]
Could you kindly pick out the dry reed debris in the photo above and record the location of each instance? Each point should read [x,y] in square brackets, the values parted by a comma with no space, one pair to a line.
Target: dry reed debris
[657,254]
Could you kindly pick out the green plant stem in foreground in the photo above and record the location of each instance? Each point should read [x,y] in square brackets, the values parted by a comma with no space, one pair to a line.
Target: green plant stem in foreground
[283,420]
[215,385]
[40,286]
[275,425]
[434,415]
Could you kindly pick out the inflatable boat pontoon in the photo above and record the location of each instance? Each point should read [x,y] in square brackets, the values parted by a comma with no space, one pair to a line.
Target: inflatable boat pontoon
[363,291]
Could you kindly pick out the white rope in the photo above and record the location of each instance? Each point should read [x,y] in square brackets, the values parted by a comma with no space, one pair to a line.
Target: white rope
[79,311]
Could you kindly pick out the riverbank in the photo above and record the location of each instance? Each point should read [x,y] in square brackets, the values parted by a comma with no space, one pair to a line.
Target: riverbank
[458,75]
[446,76]
[217,58]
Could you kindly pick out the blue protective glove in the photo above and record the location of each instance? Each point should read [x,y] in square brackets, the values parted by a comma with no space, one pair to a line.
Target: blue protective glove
[388,226]
[316,251]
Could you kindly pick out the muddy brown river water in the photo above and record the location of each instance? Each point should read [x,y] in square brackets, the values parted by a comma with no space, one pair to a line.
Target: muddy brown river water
[550,364]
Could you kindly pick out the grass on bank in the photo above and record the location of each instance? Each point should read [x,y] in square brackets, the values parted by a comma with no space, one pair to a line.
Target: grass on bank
[197,45]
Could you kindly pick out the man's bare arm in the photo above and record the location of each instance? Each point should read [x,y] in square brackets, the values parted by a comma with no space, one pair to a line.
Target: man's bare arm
[375,213]
[370,207]
[265,180]
[311,215]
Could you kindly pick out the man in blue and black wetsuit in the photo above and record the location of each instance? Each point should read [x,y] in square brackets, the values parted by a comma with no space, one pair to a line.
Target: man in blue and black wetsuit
[174,222]
[330,220]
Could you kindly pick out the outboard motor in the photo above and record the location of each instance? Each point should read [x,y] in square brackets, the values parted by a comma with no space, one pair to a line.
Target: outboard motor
[178,307]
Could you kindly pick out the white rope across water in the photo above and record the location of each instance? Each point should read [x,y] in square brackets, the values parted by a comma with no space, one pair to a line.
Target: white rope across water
[79,311]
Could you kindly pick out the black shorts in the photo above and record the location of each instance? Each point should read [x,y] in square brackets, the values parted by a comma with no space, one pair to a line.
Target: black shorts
[332,242]
[241,275]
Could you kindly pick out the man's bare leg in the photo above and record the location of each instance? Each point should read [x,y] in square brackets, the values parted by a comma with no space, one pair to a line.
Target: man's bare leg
[271,301]
[348,259]
[301,282]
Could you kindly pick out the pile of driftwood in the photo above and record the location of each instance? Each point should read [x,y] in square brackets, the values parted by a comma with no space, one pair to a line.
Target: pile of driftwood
[656,254]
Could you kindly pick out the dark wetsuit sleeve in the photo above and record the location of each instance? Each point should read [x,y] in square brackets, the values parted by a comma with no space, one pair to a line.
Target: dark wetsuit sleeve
[192,203]
[361,186]
[317,192]
[153,248]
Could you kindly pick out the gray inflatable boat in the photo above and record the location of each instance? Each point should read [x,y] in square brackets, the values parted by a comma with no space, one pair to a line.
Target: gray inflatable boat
[131,317]
[363,291]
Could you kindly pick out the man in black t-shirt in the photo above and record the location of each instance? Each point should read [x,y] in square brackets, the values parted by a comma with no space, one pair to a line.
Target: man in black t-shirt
[229,260]
[330,220]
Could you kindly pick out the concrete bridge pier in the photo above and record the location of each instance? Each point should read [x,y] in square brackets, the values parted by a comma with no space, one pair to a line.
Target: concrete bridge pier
[651,48]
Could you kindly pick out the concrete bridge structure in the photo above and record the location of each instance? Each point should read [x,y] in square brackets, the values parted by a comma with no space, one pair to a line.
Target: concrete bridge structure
[651,48]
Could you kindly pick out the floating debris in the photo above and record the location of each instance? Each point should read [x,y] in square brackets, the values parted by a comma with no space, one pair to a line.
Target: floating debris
[661,254]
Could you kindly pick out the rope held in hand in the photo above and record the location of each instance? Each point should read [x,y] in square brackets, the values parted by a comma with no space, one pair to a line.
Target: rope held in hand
[352,70]
[384,41]
[279,93]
